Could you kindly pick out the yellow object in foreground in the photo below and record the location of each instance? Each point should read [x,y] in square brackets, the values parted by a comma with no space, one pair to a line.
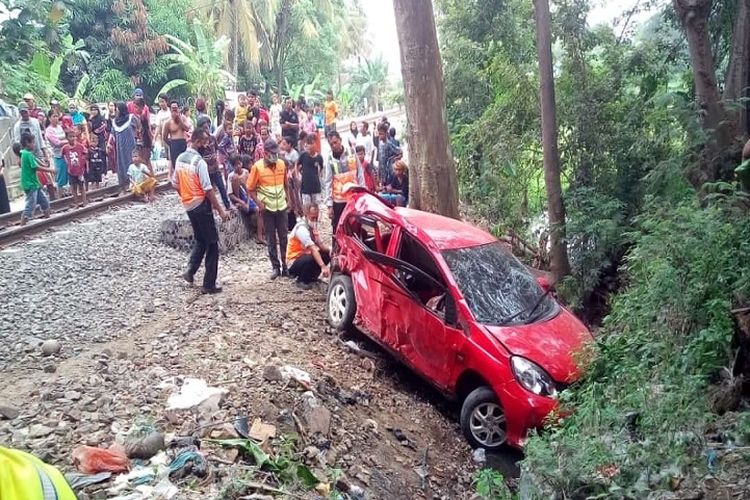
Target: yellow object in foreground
[25,477]
[144,187]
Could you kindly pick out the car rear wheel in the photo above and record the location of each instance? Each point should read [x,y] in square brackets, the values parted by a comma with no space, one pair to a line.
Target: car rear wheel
[341,303]
[483,419]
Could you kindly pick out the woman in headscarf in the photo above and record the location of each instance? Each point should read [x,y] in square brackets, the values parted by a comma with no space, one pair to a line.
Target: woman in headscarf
[111,112]
[124,132]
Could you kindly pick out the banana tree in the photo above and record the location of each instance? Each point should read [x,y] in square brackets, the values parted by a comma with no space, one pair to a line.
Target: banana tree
[201,63]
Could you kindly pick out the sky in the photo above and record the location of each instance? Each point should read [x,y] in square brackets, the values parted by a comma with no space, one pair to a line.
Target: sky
[382,25]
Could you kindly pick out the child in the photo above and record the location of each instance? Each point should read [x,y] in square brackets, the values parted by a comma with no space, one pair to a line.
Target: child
[238,194]
[97,166]
[291,157]
[76,155]
[259,149]
[369,172]
[142,180]
[29,180]
[248,140]
[309,166]
[240,113]
[225,147]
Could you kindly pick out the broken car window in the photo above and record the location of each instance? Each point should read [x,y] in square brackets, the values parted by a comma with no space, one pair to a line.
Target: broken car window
[415,254]
[497,286]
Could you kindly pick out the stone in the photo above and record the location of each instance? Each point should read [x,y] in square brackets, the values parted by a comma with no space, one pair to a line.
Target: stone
[316,416]
[50,368]
[50,347]
[39,431]
[72,395]
[8,412]
[148,306]
[272,373]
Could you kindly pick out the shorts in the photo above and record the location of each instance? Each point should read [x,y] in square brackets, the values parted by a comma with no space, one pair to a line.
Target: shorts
[144,187]
[310,199]
[76,180]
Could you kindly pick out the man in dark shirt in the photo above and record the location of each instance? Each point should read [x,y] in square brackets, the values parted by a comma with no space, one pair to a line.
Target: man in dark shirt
[289,123]
[310,165]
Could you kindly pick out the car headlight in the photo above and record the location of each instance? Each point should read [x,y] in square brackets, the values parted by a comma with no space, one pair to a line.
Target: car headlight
[532,377]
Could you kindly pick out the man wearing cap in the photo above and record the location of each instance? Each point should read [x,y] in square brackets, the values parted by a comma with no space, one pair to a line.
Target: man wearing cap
[267,186]
[30,125]
[34,110]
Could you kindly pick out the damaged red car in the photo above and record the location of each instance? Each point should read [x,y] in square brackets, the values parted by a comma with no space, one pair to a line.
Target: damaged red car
[452,303]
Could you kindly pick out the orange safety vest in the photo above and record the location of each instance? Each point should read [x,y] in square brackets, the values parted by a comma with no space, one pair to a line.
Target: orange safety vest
[295,248]
[188,182]
[341,179]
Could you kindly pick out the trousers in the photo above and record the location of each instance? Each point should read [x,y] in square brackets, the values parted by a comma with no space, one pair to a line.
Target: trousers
[206,243]
[217,179]
[275,225]
[305,269]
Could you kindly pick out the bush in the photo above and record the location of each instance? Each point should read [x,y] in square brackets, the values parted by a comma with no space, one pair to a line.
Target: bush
[641,412]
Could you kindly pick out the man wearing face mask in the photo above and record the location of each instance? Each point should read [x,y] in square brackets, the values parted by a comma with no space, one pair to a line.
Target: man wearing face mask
[267,186]
[306,254]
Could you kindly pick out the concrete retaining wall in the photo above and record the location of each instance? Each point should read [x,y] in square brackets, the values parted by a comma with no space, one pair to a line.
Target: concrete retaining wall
[178,233]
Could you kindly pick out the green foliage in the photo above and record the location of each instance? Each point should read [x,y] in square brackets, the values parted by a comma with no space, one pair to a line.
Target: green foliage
[201,63]
[490,484]
[111,85]
[667,334]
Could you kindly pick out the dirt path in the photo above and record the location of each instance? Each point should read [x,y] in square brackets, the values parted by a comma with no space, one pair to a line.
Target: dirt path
[235,341]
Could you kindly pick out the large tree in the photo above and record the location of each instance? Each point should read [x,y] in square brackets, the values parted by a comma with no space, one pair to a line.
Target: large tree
[723,126]
[559,263]
[433,172]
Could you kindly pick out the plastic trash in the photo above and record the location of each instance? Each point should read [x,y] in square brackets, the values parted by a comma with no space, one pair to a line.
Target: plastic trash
[78,481]
[303,378]
[195,392]
[188,462]
[91,460]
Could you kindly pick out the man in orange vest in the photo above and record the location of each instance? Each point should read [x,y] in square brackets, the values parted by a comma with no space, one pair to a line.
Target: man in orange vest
[191,180]
[340,169]
[306,254]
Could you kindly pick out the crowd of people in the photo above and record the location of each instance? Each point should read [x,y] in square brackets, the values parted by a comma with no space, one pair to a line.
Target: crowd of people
[249,158]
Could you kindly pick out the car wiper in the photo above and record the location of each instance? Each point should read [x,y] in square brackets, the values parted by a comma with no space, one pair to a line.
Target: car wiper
[533,308]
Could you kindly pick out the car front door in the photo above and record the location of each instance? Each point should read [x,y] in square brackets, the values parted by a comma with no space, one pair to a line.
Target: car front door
[415,302]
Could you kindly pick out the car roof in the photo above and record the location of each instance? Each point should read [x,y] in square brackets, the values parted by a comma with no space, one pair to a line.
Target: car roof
[446,233]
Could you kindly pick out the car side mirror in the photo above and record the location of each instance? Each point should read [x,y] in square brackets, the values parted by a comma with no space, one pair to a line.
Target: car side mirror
[544,283]
[451,315]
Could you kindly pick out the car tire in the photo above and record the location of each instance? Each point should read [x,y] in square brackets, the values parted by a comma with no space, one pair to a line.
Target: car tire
[340,303]
[483,420]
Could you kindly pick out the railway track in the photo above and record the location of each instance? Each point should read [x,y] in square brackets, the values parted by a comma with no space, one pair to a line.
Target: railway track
[63,212]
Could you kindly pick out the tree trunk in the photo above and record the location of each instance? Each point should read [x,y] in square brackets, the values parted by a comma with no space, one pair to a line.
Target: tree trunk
[738,71]
[235,43]
[693,15]
[432,176]
[559,264]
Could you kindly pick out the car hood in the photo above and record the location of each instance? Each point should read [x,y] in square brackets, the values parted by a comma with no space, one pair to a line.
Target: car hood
[552,344]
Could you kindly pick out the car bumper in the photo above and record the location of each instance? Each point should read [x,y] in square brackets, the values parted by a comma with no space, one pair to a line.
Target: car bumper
[523,411]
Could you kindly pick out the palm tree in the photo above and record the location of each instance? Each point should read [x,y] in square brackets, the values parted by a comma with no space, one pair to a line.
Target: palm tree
[201,64]
[372,77]
[245,23]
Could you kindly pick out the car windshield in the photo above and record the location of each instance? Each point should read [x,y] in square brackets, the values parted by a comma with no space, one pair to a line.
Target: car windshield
[497,287]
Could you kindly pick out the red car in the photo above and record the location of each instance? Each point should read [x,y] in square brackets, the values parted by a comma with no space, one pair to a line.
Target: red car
[451,302]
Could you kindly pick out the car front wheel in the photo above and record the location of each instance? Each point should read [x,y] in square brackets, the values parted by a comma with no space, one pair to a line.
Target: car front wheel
[483,420]
[341,303]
